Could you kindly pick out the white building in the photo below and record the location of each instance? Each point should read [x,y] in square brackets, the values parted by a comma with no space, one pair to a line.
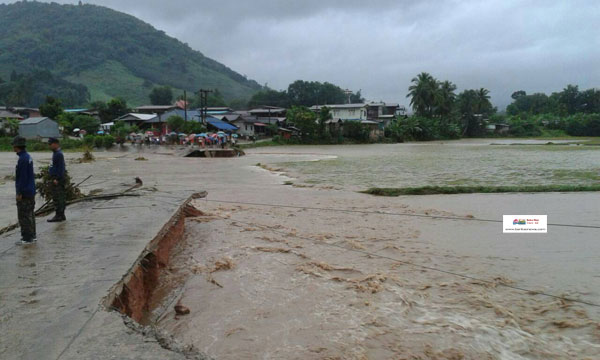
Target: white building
[345,112]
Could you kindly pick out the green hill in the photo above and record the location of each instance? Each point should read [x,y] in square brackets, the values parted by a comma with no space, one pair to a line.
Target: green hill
[111,53]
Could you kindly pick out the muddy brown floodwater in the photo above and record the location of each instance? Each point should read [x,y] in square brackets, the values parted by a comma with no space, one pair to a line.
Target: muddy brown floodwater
[266,282]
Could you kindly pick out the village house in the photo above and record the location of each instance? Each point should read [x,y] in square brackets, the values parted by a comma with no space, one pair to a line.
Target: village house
[39,128]
[25,112]
[267,115]
[344,112]
[244,122]
[5,116]
[384,113]
[137,119]
[214,111]
[154,109]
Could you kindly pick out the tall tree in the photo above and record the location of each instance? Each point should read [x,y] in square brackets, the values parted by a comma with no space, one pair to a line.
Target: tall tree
[161,95]
[483,103]
[304,119]
[518,94]
[114,108]
[52,108]
[590,101]
[176,123]
[467,103]
[422,94]
[570,98]
[445,97]
[269,97]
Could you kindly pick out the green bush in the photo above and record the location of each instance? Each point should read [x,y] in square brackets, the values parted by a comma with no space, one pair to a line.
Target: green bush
[583,125]
[356,131]
[98,141]
[88,140]
[67,144]
[36,145]
[108,141]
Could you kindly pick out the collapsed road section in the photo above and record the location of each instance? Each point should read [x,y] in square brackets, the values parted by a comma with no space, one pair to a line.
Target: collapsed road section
[134,295]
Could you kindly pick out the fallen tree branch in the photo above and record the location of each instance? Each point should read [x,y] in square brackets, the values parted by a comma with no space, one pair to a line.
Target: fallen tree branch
[46,208]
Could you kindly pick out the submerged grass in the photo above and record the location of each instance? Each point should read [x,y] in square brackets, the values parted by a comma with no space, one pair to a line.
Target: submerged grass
[432,190]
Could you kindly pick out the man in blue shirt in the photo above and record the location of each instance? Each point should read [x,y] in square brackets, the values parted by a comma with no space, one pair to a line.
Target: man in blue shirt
[25,187]
[57,175]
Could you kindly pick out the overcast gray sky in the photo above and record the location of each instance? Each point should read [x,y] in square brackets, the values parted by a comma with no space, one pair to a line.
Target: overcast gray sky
[379,45]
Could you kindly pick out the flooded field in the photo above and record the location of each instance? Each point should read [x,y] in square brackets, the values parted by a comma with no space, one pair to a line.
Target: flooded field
[477,162]
[336,274]
[301,283]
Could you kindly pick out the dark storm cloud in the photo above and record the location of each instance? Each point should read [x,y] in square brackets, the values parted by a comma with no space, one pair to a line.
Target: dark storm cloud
[378,46]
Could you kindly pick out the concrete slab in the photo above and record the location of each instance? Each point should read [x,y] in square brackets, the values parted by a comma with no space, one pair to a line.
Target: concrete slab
[50,293]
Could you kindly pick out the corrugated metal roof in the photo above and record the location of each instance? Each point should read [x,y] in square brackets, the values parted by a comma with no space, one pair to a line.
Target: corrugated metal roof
[158,107]
[339,106]
[34,120]
[266,110]
[222,125]
[9,115]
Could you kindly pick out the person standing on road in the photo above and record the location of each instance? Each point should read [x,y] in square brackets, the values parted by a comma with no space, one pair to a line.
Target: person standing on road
[25,187]
[57,175]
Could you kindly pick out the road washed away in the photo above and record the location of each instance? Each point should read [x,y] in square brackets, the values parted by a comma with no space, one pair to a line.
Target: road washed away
[292,283]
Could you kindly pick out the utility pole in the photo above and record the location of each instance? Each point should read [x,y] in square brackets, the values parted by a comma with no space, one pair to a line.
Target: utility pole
[203,104]
[185,104]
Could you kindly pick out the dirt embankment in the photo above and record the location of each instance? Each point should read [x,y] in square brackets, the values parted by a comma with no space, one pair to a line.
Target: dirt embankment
[135,295]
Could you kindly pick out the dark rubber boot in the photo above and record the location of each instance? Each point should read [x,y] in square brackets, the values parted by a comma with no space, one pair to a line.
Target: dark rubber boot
[56,218]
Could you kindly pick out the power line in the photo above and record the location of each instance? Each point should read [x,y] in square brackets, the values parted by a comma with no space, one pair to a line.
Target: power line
[448,272]
[388,213]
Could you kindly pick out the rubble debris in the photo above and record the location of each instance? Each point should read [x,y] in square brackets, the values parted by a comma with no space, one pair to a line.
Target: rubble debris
[87,157]
[224,264]
[181,310]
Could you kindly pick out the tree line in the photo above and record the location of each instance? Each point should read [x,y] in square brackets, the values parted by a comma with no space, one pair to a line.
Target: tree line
[31,89]
[570,111]
[441,113]
[304,93]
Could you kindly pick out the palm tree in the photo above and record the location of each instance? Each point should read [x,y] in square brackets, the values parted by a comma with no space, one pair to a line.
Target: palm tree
[445,97]
[422,94]
[483,104]
[467,102]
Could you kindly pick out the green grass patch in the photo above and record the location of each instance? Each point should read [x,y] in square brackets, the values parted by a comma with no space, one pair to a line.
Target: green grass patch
[432,190]
[112,79]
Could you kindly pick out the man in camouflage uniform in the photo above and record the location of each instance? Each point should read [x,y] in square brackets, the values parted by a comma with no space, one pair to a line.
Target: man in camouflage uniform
[25,187]
[57,175]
